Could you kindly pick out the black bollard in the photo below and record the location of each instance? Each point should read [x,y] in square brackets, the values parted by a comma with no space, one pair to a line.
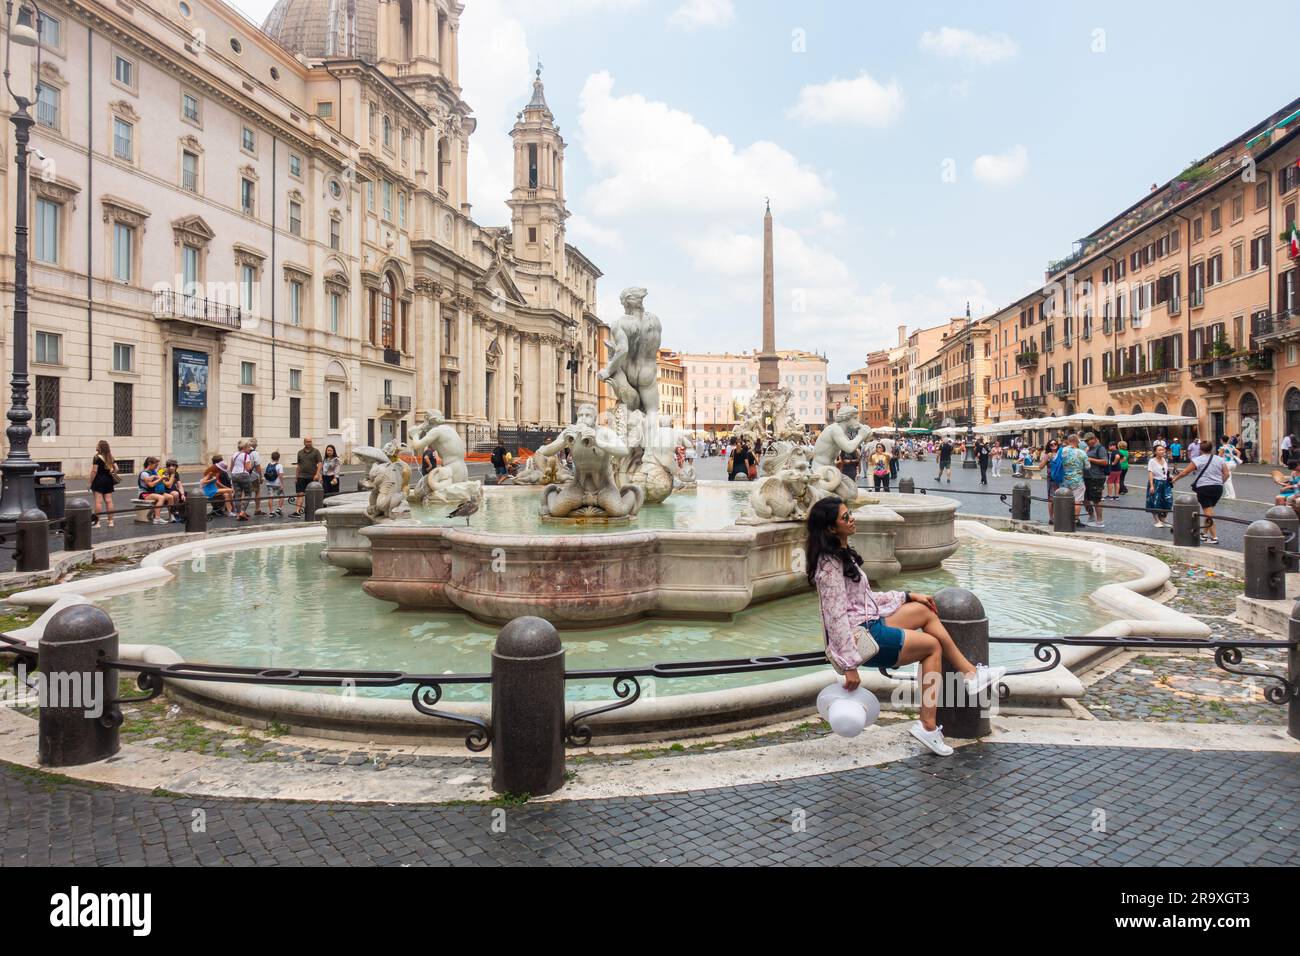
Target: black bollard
[1063,510]
[907,487]
[1020,497]
[1265,565]
[33,552]
[1285,518]
[1293,672]
[1187,522]
[313,499]
[79,719]
[528,708]
[76,525]
[961,612]
[196,514]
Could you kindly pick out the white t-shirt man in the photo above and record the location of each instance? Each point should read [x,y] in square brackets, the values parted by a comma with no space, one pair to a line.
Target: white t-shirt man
[1286,444]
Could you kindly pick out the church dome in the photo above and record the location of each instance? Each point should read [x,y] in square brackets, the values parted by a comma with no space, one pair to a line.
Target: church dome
[325,28]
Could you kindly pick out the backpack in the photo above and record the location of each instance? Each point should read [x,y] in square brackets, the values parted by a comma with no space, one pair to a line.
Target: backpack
[1056,470]
[272,472]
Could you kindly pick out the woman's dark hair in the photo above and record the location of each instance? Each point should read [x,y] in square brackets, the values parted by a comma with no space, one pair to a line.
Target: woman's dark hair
[822,540]
[331,451]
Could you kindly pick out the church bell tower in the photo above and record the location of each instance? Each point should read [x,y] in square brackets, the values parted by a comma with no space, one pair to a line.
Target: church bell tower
[537,211]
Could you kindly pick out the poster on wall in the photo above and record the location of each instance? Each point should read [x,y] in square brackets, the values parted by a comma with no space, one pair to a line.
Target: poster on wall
[191,378]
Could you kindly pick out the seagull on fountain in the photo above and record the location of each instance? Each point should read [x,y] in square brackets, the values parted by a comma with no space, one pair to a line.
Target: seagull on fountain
[467,508]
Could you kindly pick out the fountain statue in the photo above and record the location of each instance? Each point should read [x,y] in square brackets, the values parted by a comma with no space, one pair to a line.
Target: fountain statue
[593,491]
[388,478]
[450,482]
[538,469]
[786,491]
[846,434]
[767,415]
[633,369]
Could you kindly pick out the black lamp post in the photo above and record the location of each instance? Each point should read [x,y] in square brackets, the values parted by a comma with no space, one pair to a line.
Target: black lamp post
[18,469]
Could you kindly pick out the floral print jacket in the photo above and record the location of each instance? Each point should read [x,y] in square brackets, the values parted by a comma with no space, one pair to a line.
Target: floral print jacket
[847,604]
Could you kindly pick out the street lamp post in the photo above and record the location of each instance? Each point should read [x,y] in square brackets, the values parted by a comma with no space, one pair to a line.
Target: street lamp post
[18,469]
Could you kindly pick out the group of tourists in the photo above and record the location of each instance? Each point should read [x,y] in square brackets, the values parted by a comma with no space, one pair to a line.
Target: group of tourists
[230,487]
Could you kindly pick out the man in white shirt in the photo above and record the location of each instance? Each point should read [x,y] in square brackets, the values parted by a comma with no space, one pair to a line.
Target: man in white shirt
[1286,449]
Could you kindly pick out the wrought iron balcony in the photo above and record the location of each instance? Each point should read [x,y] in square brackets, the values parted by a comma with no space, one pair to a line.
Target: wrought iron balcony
[392,356]
[1241,366]
[1029,402]
[1283,326]
[396,403]
[169,304]
[1154,378]
[1026,360]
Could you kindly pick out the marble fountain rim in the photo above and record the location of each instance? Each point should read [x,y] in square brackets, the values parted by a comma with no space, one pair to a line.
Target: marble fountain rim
[664,718]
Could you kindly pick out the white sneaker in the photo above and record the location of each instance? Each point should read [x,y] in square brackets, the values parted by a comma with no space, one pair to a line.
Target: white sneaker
[984,678]
[161,521]
[932,739]
[1099,524]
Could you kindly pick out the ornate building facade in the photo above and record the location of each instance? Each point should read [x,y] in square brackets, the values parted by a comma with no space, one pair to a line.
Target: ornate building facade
[240,232]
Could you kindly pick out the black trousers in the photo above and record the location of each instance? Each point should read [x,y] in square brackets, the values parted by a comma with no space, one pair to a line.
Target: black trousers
[984,471]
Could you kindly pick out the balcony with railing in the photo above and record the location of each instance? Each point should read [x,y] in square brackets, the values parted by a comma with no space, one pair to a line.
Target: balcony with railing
[1031,403]
[171,305]
[1276,329]
[399,404]
[1154,379]
[1239,367]
[1027,360]
[392,356]
[1174,305]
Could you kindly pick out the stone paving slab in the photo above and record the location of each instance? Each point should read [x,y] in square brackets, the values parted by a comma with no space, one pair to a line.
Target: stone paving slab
[990,804]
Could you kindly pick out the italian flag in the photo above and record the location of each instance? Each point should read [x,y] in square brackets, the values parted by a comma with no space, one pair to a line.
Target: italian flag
[1295,242]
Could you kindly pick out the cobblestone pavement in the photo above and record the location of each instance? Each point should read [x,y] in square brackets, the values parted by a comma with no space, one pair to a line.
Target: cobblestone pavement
[998,804]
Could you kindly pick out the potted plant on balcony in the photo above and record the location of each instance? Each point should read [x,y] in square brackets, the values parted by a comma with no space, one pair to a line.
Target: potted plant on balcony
[1258,361]
[1222,352]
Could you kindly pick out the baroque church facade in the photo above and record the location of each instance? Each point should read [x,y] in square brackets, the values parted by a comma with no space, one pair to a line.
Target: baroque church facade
[241,232]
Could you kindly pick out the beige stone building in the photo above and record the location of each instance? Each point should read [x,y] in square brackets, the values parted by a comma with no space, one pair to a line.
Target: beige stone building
[722,383]
[922,349]
[672,388]
[265,232]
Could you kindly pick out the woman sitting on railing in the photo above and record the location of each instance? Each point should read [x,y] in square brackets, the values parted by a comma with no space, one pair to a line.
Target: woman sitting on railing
[881,629]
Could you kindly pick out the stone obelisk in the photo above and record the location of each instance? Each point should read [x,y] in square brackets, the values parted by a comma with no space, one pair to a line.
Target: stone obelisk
[769,374]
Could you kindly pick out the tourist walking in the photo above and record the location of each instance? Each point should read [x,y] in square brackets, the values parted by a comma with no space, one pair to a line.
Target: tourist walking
[1122,448]
[945,461]
[331,469]
[257,478]
[1233,458]
[1095,479]
[307,470]
[1211,472]
[499,459]
[996,460]
[1112,477]
[1051,465]
[982,459]
[1074,465]
[886,629]
[1160,490]
[1286,449]
[1176,450]
[242,474]
[103,479]
[880,468]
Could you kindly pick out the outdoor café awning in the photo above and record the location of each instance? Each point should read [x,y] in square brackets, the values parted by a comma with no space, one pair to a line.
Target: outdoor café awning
[1082,419]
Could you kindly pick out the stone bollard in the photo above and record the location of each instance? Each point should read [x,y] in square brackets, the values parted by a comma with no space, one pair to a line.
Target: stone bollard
[313,498]
[528,708]
[79,719]
[1265,565]
[1020,498]
[961,612]
[1063,510]
[907,487]
[1285,518]
[76,525]
[1187,522]
[33,552]
[1293,672]
[196,514]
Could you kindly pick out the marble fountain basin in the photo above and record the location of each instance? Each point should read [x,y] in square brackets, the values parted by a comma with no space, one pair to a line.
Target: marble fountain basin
[686,559]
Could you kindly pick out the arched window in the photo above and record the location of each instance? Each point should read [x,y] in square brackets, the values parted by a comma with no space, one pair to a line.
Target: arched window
[388,132]
[1161,409]
[387,310]
[1189,409]
[1110,410]
[1137,410]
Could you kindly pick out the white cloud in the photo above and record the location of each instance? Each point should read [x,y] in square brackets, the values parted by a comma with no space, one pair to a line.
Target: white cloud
[654,161]
[581,231]
[496,78]
[976,49]
[703,13]
[1002,169]
[532,12]
[861,100]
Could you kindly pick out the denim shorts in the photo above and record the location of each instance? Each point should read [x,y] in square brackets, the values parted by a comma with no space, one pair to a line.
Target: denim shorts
[890,640]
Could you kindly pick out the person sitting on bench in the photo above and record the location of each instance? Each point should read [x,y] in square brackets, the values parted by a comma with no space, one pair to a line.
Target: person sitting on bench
[153,489]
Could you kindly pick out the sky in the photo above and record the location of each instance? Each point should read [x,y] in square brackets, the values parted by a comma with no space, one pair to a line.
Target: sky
[918,157]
